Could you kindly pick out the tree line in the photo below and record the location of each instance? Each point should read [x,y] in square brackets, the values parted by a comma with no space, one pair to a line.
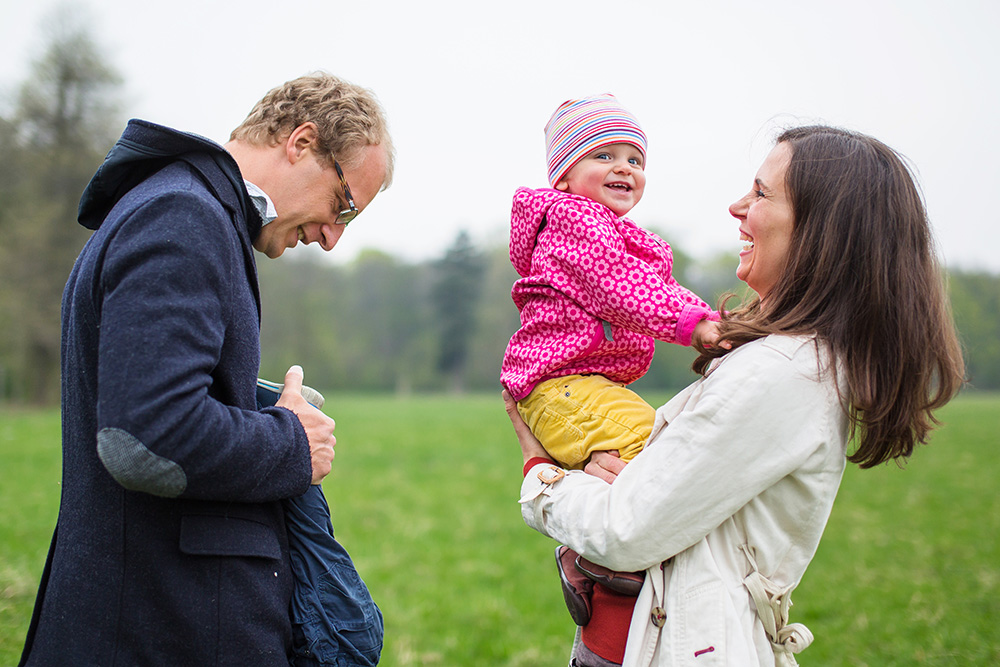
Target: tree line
[376,324]
[382,324]
[63,120]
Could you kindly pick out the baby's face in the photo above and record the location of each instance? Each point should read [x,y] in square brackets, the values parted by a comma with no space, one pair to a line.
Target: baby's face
[611,175]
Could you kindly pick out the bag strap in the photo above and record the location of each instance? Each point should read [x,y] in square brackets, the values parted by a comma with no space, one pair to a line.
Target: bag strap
[773,604]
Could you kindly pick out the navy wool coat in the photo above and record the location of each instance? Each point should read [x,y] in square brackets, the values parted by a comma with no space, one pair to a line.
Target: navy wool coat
[170,546]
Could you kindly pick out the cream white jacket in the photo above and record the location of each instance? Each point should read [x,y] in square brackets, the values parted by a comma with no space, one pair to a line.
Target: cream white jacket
[745,460]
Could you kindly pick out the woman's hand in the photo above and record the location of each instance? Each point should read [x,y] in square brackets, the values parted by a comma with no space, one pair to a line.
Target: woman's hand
[530,446]
[605,465]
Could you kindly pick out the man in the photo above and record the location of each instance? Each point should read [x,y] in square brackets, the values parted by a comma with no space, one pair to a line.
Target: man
[170,547]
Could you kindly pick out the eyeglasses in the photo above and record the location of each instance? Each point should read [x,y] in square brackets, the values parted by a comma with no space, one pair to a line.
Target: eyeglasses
[348,214]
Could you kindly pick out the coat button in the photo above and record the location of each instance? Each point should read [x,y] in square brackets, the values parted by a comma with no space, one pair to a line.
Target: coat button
[658,616]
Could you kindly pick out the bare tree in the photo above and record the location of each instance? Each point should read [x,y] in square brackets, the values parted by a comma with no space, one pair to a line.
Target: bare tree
[63,124]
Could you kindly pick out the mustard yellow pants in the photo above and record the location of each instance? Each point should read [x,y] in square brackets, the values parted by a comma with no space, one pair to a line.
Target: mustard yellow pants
[577,415]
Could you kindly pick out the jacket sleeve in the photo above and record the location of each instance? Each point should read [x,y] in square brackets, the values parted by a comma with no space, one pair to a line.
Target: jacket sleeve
[170,285]
[584,256]
[757,420]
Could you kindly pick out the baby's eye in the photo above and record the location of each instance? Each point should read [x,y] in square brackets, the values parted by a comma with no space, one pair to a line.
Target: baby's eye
[635,161]
[603,156]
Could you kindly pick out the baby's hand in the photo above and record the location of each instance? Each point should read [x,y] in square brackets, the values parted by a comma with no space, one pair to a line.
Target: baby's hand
[706,332]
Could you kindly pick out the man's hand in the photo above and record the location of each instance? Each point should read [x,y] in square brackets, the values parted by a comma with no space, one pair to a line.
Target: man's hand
[319,428]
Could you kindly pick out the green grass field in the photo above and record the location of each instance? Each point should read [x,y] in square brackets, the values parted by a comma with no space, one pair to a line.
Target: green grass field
[424,496]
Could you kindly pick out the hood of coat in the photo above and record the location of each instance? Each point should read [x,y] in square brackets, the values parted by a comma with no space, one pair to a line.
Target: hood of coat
[142,150]
[527,218]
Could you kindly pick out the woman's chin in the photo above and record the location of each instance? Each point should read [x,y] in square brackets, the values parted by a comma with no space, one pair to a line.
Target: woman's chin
[743,271]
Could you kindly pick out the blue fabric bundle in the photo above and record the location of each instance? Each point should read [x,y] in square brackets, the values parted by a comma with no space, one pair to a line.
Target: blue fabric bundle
[335,622]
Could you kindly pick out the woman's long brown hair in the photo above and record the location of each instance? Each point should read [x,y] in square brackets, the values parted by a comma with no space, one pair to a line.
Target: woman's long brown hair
[862,276]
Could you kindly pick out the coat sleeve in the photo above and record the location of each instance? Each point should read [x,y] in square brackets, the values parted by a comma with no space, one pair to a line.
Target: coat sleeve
[584,257]
[171,308]
[756,420]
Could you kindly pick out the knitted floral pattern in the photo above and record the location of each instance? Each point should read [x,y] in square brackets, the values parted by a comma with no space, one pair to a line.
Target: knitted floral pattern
[582,266]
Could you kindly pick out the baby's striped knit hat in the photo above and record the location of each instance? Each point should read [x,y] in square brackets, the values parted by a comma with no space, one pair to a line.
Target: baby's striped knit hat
[581,126]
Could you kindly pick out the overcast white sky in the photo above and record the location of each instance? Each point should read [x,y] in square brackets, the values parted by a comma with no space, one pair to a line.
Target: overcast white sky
[469,86]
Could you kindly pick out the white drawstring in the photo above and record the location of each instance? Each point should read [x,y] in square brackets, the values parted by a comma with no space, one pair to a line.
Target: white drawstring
[773,604]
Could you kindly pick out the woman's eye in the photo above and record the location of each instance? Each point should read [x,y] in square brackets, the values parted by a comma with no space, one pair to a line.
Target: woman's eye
[759,193]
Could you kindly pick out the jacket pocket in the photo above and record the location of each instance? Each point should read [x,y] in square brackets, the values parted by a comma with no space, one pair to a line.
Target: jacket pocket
[702,633]
[213,535]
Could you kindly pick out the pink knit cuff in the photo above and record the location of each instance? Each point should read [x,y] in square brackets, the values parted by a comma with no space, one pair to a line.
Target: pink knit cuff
[690,316]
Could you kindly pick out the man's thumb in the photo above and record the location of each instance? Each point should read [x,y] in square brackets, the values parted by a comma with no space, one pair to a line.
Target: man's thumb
[293,379]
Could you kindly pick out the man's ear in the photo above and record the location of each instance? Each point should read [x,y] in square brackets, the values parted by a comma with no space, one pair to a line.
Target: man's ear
[300,141]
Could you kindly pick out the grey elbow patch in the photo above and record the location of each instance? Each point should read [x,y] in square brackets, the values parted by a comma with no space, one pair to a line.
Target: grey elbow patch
[136,468]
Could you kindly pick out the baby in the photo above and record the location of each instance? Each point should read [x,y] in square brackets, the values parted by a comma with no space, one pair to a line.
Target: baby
[595,291]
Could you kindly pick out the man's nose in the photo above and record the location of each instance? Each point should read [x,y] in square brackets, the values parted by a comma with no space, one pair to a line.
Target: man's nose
[329,234]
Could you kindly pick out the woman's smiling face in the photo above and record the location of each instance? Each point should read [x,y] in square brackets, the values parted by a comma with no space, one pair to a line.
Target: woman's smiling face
[766,222]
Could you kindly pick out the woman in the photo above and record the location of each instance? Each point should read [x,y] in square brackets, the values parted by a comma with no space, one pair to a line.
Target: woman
[849,335]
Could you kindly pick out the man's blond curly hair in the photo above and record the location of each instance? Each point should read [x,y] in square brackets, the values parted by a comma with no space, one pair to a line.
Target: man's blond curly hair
[348,118]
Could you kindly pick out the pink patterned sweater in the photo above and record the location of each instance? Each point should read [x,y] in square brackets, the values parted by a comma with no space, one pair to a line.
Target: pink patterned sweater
[582,266]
